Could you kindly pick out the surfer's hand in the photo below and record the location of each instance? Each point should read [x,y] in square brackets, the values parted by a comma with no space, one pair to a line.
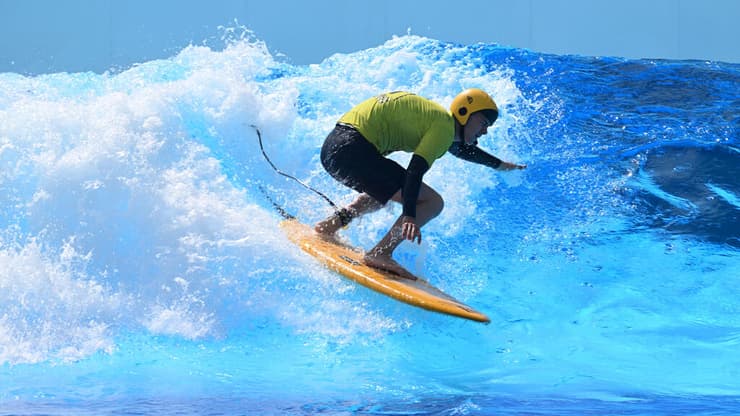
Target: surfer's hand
[511,166]
[409,229]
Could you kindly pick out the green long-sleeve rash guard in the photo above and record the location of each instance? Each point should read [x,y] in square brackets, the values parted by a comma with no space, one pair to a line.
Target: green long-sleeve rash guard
[406,122]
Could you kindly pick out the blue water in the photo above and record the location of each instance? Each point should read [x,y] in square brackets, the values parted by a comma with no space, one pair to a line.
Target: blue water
[142,271]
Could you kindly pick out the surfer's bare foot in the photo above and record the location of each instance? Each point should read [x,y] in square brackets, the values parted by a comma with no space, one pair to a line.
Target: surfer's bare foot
[386,263]
[328,227]
[325,233]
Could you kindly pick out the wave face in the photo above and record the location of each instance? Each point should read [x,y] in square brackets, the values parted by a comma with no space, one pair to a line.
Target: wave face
[139,258]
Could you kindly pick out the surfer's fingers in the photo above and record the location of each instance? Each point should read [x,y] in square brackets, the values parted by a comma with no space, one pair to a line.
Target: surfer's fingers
[416,235]
[407,231]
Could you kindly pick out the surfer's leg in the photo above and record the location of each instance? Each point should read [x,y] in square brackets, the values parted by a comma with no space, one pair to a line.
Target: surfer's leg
[363,204]
[356,163]
[428,206]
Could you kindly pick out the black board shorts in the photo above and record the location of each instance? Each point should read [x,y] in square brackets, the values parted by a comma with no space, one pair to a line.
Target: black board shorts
[352,160]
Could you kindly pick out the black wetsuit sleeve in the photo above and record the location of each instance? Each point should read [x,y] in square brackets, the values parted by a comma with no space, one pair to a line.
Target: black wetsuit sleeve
[474,154]
[414,174]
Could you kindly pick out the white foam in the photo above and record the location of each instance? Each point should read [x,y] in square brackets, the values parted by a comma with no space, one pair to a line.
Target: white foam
[51,309]
[153,173]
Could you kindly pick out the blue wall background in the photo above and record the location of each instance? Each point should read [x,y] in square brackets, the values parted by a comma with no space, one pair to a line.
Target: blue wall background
[42,36]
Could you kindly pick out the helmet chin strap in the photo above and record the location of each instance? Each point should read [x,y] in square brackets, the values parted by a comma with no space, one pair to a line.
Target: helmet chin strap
[459,132]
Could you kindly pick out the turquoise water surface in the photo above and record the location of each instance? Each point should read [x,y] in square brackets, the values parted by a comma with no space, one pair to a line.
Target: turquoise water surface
[142,270]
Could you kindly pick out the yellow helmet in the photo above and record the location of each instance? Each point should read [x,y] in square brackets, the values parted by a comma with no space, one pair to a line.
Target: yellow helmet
[471,101]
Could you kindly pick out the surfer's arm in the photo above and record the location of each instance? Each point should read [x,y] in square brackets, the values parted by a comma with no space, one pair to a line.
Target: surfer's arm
[477,155]
[410,192]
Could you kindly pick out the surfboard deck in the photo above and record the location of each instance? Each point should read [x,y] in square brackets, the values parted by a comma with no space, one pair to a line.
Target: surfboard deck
[347,261]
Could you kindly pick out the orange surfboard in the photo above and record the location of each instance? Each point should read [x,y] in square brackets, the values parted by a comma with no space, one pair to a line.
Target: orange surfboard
[348,262]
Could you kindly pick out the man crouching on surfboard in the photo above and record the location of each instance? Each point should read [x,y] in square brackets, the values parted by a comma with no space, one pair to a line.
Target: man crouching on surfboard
[354,154]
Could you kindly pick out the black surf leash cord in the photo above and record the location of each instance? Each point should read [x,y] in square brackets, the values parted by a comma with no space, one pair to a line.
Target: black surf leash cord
[344,215]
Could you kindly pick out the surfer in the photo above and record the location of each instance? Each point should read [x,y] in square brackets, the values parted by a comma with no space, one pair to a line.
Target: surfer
[354,154]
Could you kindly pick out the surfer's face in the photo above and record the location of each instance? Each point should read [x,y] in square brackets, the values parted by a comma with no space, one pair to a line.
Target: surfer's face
[476,126]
